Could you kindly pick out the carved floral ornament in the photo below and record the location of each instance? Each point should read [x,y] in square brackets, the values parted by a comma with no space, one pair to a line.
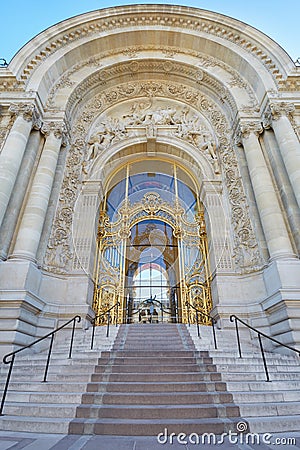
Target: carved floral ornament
[195,71]
[247,254]
[57,129]
[26,110]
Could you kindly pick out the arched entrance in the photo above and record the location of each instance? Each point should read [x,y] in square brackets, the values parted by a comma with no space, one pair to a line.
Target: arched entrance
[152,253]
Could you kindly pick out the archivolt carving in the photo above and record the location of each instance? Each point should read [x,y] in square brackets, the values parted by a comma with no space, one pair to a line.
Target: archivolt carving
[152,18]
[196,74]
[246,254]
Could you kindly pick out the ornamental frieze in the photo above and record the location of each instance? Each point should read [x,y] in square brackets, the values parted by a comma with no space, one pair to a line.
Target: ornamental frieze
[205,26]
[193,71]
[246,251]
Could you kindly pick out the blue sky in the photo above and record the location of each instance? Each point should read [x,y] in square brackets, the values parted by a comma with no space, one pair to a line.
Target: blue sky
[23,19]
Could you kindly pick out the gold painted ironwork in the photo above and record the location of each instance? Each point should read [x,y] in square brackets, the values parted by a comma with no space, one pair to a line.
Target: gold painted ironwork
[193,259]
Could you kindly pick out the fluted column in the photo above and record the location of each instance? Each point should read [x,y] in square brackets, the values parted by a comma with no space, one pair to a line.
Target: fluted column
[277,116]
[13,151]
[273,224]
[32,222]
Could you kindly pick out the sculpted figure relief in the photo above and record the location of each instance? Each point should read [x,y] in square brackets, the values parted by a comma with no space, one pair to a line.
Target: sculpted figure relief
[108,132]
[184,125]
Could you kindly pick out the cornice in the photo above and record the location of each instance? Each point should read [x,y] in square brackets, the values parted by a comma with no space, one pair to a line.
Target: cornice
[177,20]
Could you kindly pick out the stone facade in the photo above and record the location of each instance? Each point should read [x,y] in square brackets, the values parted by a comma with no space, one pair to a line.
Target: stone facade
[73,108]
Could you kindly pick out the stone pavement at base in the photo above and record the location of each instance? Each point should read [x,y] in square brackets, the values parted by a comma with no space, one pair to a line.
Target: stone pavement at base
[34,441]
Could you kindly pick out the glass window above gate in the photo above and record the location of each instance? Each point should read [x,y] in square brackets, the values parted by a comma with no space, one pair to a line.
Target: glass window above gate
[166,179]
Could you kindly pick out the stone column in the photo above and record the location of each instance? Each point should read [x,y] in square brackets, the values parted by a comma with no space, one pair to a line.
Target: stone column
[32,222]
[277,117]
[13,151]
[17,197]
[273,224]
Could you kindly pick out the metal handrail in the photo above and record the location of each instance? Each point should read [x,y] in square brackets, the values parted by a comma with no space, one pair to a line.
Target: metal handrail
[235,318]
[13,355]
[107,313]
[213,321]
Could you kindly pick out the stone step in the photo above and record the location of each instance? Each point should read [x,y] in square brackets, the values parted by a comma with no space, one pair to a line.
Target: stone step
[143,368]
[170,398]
[44,397]
[152,427]
[148,387]
[242,368]
[157,354]
[272,409]
[237,386]
[196,411]
[161,360]
[265,396]
[156,377]
[273,424]
[53,410]
[52,386]
[271,360]
[260,376]
[30,424]
[59,377]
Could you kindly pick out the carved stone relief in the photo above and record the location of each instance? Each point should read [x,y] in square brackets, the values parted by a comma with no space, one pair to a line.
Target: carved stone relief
[194,73]
[150,115]
[246,254]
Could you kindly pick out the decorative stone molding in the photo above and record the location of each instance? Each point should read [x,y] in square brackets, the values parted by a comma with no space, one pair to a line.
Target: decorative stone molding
[246,253]
[198,75]
[248,128]
[59,253]
[26,110]
[6,122]
[10,83]
[58,129]
[279,109]
[194,74]
[275,111]
[187,21]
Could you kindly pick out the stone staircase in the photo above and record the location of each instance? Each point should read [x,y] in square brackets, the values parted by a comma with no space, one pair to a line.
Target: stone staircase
[148,377]
[151,381]
[266,406]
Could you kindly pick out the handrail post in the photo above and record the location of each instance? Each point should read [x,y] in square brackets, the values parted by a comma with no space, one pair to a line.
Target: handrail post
[108,320]
[6,384]
[48,358]
[197,320]
[72,339]
[237,334]
[214,332]
[263,357]
[188,307]
[117,313]
[93,333]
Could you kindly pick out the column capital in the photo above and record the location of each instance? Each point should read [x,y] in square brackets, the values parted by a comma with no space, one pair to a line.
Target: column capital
[57,128]
[276,110]
[26,110]
[246,129]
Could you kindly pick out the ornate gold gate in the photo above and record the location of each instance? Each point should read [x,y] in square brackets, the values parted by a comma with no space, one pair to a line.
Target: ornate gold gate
[117,254]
